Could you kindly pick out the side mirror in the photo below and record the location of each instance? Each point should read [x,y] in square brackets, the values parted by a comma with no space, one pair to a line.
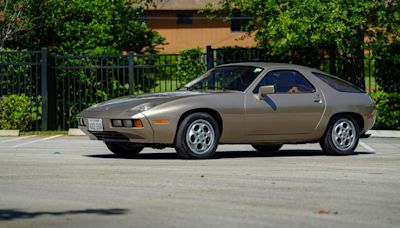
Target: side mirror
[265,90]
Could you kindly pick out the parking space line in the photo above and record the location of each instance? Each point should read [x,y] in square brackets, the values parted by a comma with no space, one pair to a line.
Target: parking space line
[370,149]
[36,141]
[18,138]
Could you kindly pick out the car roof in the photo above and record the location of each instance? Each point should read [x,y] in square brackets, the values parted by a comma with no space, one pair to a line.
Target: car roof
[268,65]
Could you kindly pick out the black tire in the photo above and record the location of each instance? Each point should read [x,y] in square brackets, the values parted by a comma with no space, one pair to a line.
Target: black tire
[267,148]
[126,150]
[197,136]
[343,130]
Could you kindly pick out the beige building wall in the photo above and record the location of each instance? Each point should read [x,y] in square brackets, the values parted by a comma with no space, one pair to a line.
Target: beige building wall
[200,33]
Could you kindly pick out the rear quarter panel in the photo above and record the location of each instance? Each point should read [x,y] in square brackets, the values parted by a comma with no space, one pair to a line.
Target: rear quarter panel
[342,102]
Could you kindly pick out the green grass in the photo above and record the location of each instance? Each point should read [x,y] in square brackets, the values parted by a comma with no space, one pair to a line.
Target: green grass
[167,85]
[57,132]
[370,84]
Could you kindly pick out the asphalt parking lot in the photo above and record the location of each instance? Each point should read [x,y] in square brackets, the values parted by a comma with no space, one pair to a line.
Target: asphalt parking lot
[63,181]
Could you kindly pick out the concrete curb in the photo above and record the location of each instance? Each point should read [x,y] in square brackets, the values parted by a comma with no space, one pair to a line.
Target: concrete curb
[384,133]
[75,132]
[9,132]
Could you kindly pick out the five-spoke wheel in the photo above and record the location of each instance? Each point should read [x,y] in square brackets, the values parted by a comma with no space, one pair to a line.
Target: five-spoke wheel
[342,136]
[197,136]
[200,136]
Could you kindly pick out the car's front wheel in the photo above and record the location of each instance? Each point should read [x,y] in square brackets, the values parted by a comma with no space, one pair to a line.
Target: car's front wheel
[267,148]
[341,137]
[125,150]
[197,136]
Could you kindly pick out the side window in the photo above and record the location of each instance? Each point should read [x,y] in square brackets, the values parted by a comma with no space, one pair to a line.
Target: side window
[286,81]
[339,84]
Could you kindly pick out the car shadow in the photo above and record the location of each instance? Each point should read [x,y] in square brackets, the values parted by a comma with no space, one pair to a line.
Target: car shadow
[230,154]
[13,214]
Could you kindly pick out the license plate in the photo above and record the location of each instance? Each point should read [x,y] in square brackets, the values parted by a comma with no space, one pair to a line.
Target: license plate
[95,125]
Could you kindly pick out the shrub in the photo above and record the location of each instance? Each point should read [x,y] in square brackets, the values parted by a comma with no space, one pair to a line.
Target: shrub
[15,112]
[388,106]
[190,64]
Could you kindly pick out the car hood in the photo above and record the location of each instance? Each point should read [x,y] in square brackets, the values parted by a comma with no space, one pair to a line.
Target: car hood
[126,103]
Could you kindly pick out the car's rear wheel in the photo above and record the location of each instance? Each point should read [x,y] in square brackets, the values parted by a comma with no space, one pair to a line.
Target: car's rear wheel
[125,150]
[267,148]
[197,136]
[341,137]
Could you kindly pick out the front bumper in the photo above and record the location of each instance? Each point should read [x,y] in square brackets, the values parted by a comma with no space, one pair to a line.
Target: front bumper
[143,134]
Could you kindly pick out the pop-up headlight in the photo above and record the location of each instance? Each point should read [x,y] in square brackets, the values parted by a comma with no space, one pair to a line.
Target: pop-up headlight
[142,107]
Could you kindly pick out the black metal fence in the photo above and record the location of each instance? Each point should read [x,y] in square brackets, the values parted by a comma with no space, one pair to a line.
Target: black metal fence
[62,86]
[24,72]
[86,80]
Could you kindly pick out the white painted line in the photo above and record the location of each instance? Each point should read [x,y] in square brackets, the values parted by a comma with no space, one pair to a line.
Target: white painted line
[370,149]
[39,140]
[18,138]
[384,133]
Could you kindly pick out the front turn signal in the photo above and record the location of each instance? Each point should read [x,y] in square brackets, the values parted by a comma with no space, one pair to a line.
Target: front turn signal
[160,121]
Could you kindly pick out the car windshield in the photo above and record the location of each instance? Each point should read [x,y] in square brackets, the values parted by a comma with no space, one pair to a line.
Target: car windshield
[225,78]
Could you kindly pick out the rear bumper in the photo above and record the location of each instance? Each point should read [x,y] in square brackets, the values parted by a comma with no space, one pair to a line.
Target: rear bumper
[369,121]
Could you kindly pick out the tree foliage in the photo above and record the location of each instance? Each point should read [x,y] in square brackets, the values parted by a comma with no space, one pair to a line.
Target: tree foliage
[281,24]
[13,19]
[90,27]
[190,64]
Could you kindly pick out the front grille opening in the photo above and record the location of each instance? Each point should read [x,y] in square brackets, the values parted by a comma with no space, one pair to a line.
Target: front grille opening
[110,136]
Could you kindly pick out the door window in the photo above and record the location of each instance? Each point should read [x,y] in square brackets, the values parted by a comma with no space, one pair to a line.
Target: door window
[286,81]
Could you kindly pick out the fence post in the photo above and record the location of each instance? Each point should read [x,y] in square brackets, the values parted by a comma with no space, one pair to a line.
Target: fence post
[130,72]
[52,93]
[332,60]
[209,55]
[44,90]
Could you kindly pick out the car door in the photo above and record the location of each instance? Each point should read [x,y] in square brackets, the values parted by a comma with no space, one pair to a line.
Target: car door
[296,106]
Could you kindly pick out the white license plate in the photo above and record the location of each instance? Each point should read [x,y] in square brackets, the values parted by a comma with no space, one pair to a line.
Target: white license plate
[95,125]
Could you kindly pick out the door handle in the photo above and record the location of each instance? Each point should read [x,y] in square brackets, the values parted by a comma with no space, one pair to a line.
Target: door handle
[317,99]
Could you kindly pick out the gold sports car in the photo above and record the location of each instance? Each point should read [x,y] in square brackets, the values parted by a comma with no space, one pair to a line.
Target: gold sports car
[262,104]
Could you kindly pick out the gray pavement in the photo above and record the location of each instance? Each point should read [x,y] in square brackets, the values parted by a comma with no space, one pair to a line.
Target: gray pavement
[73,182]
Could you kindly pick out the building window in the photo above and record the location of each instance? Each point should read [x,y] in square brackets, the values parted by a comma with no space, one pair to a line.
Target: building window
[239,22]
[184,19]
